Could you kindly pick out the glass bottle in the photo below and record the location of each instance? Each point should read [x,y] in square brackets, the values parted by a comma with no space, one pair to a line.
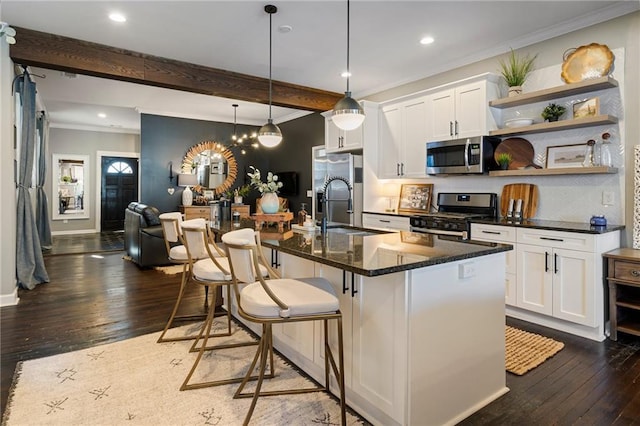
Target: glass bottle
[588,154]
[605,151]
[302,214]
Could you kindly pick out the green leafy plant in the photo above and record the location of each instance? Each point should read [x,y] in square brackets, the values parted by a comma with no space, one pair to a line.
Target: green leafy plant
[504,158]
[552,112]
[242,191]
[516,69]
[272,184]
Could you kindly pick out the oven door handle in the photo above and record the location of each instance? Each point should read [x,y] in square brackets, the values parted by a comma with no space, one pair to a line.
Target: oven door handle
[466,153]
[462,234]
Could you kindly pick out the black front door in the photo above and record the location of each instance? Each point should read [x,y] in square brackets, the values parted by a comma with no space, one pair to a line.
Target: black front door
[119,188]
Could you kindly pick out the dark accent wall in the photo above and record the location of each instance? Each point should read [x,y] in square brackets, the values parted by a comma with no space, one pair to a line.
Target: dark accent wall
[294,154]
[164,139]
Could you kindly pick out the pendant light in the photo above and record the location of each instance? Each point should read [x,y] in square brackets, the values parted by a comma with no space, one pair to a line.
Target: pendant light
[347,113]
[270,135]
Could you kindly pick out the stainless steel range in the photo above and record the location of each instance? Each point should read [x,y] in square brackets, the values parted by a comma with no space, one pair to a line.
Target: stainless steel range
[455,210]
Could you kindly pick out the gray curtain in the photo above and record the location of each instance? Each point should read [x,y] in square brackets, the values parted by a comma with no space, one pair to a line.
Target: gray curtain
[42,205]
[30,270]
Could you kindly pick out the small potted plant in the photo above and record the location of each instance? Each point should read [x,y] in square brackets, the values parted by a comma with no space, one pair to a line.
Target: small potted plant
[504,159]
[552,112]
[515,71]
[240,193]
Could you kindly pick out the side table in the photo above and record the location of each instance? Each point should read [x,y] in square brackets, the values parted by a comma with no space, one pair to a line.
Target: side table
[623,279]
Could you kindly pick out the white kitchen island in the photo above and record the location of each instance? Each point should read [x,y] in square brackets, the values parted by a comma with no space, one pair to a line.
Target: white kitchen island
[423,321]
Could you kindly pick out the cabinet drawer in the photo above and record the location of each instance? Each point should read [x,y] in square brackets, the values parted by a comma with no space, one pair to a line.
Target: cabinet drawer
[196,212]
[499,233]
[385,222]
[556,239]
[628,271]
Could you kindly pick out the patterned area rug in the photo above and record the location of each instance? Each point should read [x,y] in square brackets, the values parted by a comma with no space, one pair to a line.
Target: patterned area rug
[525,351]
[169,270]
[136,382]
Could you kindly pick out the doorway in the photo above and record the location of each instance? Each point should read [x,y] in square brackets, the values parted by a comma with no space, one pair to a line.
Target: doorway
[119,187]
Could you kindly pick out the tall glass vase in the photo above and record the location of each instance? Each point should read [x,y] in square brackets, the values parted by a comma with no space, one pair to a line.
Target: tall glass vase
[270,203]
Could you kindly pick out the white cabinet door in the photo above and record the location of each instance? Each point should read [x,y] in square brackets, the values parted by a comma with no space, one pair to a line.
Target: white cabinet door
[441,115]
[574,284]
[534,283]
[505,235]
[459,112]
[414,138]
[390,141]
[333,136]
[298,336]
[341,283]
[379,351]
[403,135]
[471,110]
[338,140]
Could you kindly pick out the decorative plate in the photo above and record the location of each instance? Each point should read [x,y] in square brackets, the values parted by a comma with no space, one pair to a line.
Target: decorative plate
[590,61]
[518,122]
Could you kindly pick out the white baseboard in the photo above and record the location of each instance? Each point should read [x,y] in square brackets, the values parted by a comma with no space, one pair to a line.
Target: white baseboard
[75,232]
[9,299]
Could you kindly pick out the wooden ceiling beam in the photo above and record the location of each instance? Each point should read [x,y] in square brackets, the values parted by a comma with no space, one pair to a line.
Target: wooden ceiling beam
[45,50]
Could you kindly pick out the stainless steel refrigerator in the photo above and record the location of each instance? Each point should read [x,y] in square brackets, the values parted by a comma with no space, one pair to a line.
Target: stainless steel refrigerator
[344,165]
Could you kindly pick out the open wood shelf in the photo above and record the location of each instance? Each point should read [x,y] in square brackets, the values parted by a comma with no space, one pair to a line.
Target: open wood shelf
[556,92]
[556,171]
[554,126]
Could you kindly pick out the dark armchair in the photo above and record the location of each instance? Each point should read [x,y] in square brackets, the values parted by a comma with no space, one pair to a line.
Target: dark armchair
[143,238]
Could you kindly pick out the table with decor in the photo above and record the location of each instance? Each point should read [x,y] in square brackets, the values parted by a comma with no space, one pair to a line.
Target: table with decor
[424,318]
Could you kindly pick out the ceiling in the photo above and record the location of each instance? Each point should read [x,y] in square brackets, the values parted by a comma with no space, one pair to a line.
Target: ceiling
[234,35]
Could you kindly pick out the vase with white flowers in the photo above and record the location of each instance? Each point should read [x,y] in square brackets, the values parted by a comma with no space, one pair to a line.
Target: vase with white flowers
[269,190]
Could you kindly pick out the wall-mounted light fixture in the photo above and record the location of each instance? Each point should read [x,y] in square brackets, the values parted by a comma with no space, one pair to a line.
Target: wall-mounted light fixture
[8,33]
[170,171]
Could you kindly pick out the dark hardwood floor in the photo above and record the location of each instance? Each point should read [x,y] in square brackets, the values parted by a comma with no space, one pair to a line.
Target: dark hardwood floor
[99,298]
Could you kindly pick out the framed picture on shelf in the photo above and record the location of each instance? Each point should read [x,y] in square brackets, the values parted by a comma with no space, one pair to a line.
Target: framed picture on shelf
[565,156]
[588,108]
[415,198]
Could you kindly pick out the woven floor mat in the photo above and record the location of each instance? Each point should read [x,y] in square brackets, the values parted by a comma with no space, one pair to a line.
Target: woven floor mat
[525,351]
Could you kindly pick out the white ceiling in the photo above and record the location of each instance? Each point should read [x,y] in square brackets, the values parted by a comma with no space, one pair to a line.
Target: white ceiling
[234,35]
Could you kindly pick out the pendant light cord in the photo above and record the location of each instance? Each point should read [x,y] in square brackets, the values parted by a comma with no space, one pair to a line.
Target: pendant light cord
[348,70]
[270,58]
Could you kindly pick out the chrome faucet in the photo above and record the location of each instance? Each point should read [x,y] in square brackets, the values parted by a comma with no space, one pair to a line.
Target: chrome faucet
[325,200]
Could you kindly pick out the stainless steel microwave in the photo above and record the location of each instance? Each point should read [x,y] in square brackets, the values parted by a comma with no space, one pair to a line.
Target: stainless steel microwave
[461,156]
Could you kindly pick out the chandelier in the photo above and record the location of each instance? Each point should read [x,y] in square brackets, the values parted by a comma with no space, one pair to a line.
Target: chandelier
[245,140]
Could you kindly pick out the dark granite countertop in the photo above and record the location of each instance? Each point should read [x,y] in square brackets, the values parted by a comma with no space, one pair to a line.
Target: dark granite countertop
[372,252]
[552,225]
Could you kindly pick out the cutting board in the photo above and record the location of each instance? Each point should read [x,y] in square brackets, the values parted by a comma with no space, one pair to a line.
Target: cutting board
[526,192]
[521,152]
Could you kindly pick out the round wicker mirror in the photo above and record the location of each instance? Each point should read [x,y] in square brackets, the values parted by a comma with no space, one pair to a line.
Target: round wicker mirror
[215,165]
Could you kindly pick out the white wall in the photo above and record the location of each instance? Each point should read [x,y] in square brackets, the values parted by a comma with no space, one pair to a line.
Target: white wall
[570,198]
[8,290]
[83,142]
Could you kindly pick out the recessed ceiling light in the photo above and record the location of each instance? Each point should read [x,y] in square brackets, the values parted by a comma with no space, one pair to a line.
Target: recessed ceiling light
[117,17]
[426,40]
[102,115]
[285,29]
[345,74]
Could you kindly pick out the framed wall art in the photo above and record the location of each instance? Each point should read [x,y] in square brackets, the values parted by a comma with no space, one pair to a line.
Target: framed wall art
[588,108]
[565,156]
[415,198]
